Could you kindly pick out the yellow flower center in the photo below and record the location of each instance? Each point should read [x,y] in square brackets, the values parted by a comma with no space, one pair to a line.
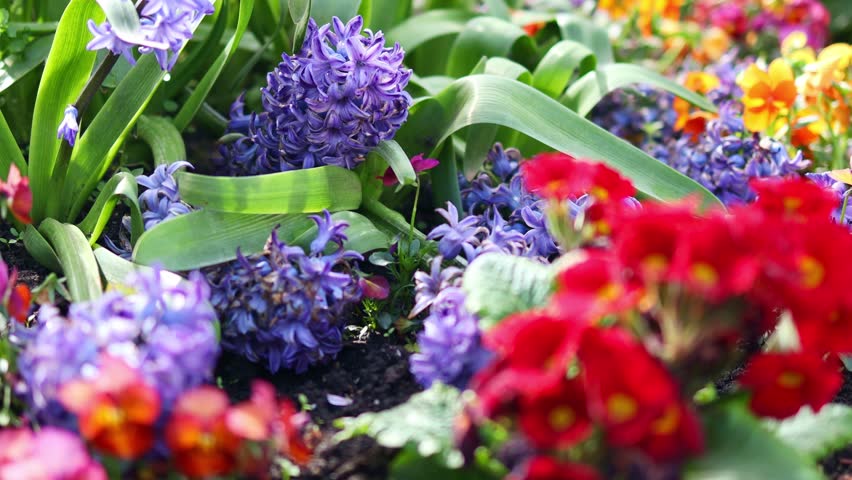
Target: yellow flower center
[704,274]
[600,193]
[561,418]
[610,292]
[655,263]
[791,204]
[668,423]
[621,408]
[812,271]
[791,380]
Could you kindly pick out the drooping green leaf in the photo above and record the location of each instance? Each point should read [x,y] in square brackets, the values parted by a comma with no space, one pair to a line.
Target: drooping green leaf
[739,447]
[445,178]
[323,10]
[490,99]
[65,73]
[386,14]
[430,25]
[506,68]
[498,285]
[398,161]
[163,137]
[558,65]
[425,422]
[498,8]
[296,191]
[489,37]
[40,249]
[300,13]
[76,258]
[815,435]
[9,151]
[122,186]
[581,30]
[586,92]
[96,148]
[193,104]
[17,65]
[116,269]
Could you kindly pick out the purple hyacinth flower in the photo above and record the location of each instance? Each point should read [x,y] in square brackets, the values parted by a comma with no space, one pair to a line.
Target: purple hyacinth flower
[427,286]
[286,308]
[450,348]
[69,128]
[456,235]
[165,328]
[161,201]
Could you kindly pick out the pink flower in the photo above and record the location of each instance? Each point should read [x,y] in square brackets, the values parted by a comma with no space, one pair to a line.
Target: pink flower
[50,454]
[375,286]
[419,163]
[18,195]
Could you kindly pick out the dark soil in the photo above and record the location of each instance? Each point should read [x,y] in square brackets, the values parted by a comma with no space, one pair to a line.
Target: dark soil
[373,374]
[15,255]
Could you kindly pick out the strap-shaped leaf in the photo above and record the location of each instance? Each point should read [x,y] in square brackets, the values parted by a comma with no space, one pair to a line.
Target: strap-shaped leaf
[193,104]
[300,13]
[323,10]
[296,191]
[585,93]
[163,137]
[385,14]
[9,151]
[556,69]
[491,99]
[398,161]
[76,258]
[583,31]
[116,269]
[122,186]
[430,25]
[489,37]
[19,64]
[40,250]
[65,73]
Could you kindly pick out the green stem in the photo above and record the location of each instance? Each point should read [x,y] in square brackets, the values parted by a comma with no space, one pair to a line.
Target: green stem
[845,204]
[390,219]
[414,212]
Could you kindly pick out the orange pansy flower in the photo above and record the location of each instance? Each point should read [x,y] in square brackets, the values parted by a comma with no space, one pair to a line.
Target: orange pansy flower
[767,95]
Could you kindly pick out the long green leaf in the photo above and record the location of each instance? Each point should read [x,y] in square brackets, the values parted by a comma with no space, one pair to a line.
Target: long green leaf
[17,65]
[116,269]
[296,191]
[122,186]
[385,14]
[579,29]
[76,257]
[740,448]
[300,13]
[556,69]
[9,151]
[193,104]
[163,137]
[97,147]
[430,25]
[398,161]
[202,54]
[585,93]
[40,250]
[488,37]
[323,10]
[490,99]
[65,73]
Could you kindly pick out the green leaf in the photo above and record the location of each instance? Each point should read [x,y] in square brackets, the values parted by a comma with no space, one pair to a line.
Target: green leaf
[204,53]
[488,37]
[556,69]
[40,250]
[425,422]
[164,139]
[409,465]
[9,151]
[430,25]
[585,93]
[498,8]
[16,65]
[300,13]
[323,10]
[193,104]
[116,269]
[498,285]
[122,186]
[295,191]
[815,435]
[739,447]
[581,30]
[490,99]
[76,258]
[506,68]
[385,14]
[388,220]
[65,73]
[398,161]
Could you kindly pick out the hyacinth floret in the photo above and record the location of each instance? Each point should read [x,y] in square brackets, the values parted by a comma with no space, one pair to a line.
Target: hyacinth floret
[69,127]
[333,102]
[450,348]
[286,307]
[164,327]
[161,201]
[427,286]
[840,190]
[165,27]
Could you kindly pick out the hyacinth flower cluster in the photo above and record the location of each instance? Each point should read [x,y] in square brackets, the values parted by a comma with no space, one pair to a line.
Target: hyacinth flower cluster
[330,104]
[668,295]
[164,328]
[450,350]
[286,307]
[837,183]
[164,28]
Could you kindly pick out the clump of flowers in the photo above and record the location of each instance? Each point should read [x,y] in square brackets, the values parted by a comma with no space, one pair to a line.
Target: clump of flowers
[18,198]
[49,453]
[668,294]
[164,28]
[161,199]
[286,307]
[333,102]
[164,328]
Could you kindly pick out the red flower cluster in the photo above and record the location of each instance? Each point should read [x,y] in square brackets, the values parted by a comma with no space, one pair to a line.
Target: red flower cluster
[558,176]
[118,413]
[19,197]
[651,314]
